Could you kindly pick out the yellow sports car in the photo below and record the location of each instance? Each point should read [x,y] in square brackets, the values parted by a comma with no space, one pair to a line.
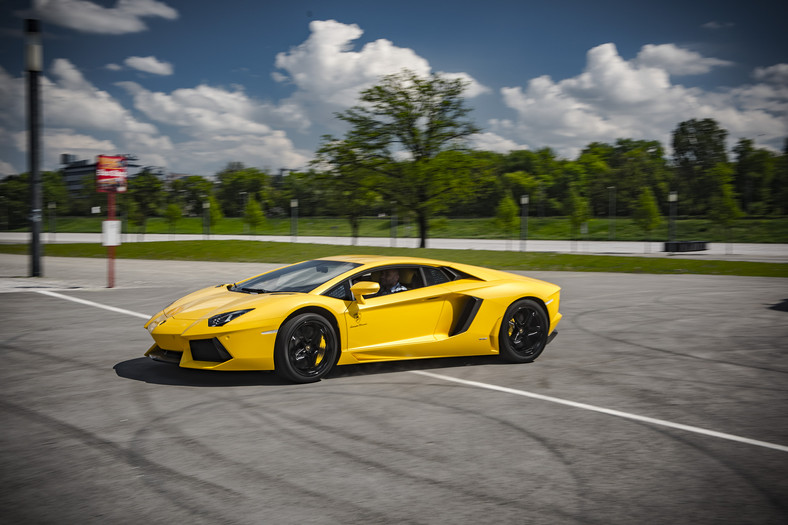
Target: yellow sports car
[302,320]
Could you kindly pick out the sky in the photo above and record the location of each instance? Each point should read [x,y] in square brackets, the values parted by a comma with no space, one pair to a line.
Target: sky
[191,85]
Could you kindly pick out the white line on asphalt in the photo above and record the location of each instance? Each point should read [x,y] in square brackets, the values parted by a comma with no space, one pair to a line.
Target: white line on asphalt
[96,305]
[627,415]
[524,393]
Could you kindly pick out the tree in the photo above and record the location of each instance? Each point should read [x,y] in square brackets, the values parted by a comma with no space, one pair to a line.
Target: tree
[146,191]
[238,183]
[578,210]
[698,146]
[349,186]
[399,128]
[172,214]
[723,209]
[647,215]
[253,215]
[506,215]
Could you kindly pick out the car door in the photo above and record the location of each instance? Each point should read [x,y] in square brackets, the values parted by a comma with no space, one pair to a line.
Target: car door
[397,325]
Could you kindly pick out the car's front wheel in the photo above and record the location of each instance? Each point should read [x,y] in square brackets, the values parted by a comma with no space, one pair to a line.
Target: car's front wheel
[523,333]
[306,348]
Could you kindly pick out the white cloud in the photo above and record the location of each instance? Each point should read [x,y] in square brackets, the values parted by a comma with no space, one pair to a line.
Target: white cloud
[614,98]
[677,61]
[717,25]
[328,73]
[149,65]
[777,74]
[89,17]
[113,67]
[492,142]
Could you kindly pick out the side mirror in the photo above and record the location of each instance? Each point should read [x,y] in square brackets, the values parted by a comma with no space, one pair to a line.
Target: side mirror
[360,289]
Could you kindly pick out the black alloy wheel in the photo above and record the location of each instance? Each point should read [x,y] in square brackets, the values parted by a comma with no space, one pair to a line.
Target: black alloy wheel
[523,334]
[306,348]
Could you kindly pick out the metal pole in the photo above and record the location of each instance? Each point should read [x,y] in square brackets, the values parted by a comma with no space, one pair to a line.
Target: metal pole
[393,225]
[111,247]
[206,218]
[294,219]
[524,221]
[33,65]
[673,199]
[612,218]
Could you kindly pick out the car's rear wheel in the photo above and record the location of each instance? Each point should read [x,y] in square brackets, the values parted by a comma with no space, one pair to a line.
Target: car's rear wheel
[523,334]
[306,348]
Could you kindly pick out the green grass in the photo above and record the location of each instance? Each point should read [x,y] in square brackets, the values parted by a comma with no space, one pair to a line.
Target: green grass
[774,230]
[255,251]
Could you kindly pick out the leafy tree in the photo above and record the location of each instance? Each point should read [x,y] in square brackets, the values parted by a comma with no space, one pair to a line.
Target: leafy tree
[238,183]
[506,214]
[723,209]
[578,209]
[754,176]
[647,215]
[349,186]
[190,192]
[398,130]
[698,146]
[172,214]
[146,191]
[253,215]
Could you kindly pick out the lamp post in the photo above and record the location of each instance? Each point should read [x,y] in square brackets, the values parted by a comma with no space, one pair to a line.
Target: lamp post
[294,219]
[393,224]
[524,199]
[612,214]
[52,220]
[673,199]
[244,197]
[206,218]
[33,65]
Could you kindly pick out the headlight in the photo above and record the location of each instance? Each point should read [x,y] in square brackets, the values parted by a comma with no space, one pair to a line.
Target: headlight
[223,319]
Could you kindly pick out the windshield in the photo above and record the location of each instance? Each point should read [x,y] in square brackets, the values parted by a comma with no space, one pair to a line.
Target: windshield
[302,277]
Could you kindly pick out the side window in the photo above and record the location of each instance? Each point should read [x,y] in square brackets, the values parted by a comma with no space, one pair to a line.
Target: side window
[340,291]
[434,276]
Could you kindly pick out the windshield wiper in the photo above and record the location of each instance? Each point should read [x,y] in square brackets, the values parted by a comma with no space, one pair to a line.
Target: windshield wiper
[253,290]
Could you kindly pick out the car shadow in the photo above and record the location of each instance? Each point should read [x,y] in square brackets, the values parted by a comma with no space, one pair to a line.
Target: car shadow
[390,367]
[149,371]
[146,370]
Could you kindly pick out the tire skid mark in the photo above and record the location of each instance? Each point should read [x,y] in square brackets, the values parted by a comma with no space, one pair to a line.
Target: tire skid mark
[450,486]
[130,457]
[714,360]
[773,499]
[213,458]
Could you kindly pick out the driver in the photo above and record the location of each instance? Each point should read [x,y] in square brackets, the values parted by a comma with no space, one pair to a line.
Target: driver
[389,282]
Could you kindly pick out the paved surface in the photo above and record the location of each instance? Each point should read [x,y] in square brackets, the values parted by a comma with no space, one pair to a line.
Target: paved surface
[94,433]
[734,251]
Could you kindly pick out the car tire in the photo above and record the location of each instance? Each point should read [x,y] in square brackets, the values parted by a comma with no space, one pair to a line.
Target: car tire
[523,334]
[306,348]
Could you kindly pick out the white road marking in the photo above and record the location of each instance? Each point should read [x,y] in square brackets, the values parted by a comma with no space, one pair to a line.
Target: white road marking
[95,305]
[524,393]
[617,413]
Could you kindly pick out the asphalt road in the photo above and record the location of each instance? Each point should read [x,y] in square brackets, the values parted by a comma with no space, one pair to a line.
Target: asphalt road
[591,432]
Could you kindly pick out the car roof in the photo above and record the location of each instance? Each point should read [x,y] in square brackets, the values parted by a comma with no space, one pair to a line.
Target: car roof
[384,259]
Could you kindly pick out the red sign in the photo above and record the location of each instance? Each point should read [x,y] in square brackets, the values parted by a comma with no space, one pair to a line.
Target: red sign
[110,174]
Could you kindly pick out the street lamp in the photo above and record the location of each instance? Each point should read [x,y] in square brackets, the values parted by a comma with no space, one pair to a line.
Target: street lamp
[393,224]
[673,199]
[524,221]
[612,214]
[244,197]
[294,219]
[206,218]
[34,64]
[52,219]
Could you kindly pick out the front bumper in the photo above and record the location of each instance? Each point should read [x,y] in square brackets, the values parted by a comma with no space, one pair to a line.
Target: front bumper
[192,344]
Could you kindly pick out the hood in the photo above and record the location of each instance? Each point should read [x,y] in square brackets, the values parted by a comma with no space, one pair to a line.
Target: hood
[219,300]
